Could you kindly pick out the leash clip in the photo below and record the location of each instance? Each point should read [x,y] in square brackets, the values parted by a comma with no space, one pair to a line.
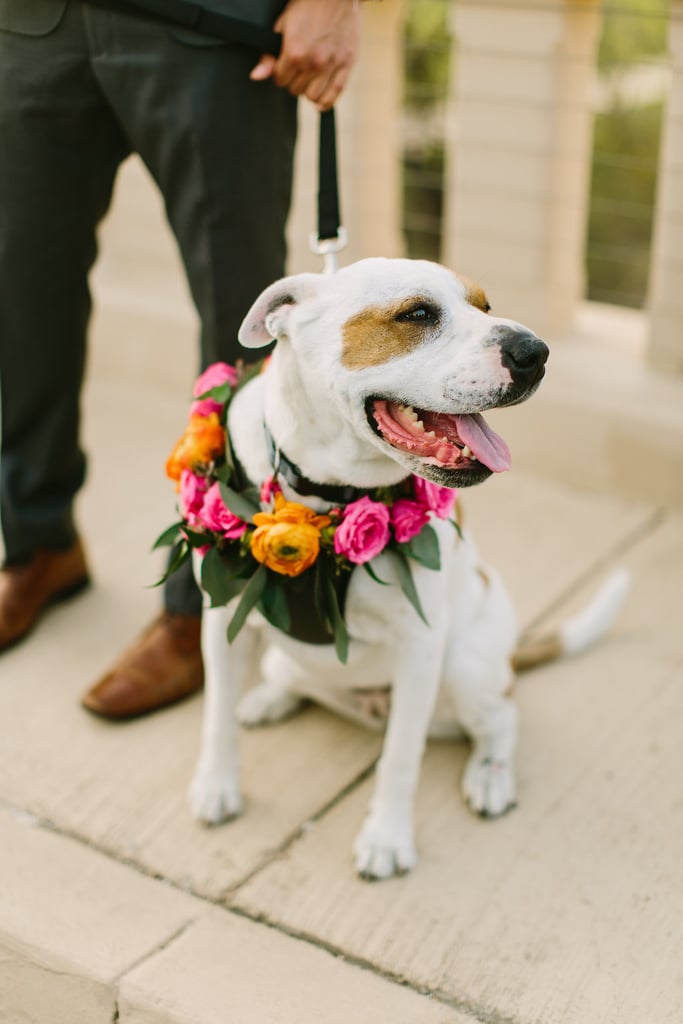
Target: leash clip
[328,249]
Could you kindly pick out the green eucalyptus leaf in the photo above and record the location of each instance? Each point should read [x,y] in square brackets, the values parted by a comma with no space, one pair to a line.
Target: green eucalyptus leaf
[457,526]
[169,537]
[237,503]
[274,604]
[424,548]
[405,575]
[223,472]
[195,538]
[221,393]
[179,556]
[251,595]
[341,636]
[320,595]
[217,580]
[373,575]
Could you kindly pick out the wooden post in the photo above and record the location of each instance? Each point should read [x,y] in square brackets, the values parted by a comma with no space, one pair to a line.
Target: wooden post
[518,160]
[665,347]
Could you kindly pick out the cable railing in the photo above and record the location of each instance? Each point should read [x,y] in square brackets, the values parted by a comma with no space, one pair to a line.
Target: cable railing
[630,73]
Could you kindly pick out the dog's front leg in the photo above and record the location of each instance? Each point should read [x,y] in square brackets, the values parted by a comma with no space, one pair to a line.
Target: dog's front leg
[215,793]
[386,843]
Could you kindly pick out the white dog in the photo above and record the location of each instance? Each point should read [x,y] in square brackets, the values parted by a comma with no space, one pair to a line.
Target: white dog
[382,370]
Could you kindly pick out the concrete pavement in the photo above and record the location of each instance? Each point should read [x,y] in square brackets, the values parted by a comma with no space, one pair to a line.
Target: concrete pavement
[116,906]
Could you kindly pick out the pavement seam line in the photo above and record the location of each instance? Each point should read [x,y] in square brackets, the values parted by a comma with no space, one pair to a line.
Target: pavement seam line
[300,831]
[153,951]
[461,1005]
[32,820]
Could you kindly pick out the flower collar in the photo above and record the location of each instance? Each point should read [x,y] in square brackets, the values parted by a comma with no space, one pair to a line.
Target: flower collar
[270,552]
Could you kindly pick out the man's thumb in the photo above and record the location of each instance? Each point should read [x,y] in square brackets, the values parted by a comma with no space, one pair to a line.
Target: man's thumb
[264,68]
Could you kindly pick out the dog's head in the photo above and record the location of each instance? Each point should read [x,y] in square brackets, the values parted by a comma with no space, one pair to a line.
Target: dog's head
[408,353]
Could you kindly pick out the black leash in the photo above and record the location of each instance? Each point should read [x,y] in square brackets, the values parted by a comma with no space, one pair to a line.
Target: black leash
[331,237]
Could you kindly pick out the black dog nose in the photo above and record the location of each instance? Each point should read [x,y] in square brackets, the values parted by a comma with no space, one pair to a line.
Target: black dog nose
[524,355]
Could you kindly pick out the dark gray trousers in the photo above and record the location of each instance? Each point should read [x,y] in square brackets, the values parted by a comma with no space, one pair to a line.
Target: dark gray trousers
[81,88]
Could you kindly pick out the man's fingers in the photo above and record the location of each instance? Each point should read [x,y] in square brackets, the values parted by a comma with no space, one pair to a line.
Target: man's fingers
[330,93]
[319,47]
[264,69]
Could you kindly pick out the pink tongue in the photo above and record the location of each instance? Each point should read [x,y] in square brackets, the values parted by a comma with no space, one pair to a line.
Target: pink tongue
[487,446]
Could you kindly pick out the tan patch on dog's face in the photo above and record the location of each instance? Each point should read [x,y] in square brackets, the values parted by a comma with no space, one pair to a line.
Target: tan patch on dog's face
[474,293]
[380,333]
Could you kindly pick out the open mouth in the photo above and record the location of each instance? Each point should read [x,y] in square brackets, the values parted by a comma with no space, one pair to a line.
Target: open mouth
[448,441]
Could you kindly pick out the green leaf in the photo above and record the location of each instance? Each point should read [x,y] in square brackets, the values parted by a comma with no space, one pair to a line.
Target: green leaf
[319,595]
[405,576]
[195,538]
[223,472]
[221,393]
[424,548]
[341,636]
[250,598]
[373,575]
[458,529]
[217,581]
[274,604]
[169,537]
[180,555]
[237,503]
[252,495]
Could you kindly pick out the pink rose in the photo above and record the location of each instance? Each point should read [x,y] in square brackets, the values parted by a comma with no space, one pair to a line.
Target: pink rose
[407,519]
[213,377]
[192,491]
[269,488]
[217,517]
[439,500]
[363,532]
[205,407]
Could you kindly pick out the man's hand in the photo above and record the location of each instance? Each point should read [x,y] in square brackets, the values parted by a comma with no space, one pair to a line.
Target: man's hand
[319,46]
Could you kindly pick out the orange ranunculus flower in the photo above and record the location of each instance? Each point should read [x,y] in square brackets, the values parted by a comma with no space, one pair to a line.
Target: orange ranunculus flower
[202,442]
[288,539]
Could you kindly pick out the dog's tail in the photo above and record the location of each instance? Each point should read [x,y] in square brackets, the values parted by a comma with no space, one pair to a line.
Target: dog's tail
[580,631]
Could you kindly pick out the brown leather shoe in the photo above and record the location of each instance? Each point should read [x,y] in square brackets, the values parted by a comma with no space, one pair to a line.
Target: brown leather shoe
[27,590]
[161,667]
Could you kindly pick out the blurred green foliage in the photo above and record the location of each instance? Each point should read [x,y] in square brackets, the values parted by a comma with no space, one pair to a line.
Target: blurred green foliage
[633,30]
[622,197]
[427,51]
[625,150]
[626,141]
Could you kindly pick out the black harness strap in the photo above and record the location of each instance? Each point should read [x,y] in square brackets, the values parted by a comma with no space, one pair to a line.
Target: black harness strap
[336,494]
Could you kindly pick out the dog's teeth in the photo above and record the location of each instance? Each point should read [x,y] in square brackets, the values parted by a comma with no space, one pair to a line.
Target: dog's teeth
[466,452]
[419,424]
[430,433]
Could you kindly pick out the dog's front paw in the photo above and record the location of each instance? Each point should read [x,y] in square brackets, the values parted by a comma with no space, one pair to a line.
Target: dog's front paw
[488,786]
[384,849]
[215,797]
[267,703]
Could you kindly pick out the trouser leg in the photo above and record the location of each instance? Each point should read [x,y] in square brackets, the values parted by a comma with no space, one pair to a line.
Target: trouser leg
[220,148]
[59,150]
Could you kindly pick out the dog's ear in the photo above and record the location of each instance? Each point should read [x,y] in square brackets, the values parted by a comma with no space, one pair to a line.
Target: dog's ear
[268,317]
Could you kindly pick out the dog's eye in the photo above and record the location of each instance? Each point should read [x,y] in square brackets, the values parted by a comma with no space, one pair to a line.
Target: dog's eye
[422,313]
